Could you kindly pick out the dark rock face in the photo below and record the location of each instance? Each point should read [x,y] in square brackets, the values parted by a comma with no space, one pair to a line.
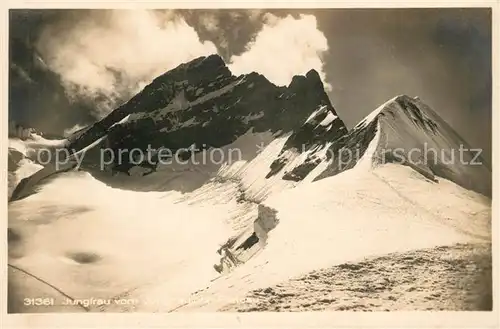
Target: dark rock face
[418,117]
[201,103]
[345,152]
[320,128]
[13,159]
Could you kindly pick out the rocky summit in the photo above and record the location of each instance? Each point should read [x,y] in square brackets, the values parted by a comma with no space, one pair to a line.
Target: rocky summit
[201,103]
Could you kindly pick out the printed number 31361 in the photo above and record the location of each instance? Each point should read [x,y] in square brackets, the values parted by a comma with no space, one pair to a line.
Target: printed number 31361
[39,301]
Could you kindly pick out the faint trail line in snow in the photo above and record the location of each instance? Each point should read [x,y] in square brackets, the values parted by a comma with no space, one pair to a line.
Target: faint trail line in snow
[404,197]
[48,284]
[177,307]
[439,219]
[126,293]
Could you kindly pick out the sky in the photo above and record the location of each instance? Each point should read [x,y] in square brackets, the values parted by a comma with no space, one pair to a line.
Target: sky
[69,68]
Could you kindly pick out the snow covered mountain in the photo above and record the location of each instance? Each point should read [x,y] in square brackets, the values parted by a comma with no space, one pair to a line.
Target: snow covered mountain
[201,104]
[406,131]
[304,194]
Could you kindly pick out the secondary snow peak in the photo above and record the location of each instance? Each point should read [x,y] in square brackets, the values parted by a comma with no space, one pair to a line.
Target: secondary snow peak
[406,131]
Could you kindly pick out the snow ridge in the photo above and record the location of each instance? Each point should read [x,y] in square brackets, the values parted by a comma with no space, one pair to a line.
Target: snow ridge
[411,133]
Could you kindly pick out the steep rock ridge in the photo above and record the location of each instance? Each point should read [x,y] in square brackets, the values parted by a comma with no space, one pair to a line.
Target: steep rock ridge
[316,134]
[408,132]
[201,104]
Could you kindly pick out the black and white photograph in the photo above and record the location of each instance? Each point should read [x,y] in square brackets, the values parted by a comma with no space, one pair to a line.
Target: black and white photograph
[238,160]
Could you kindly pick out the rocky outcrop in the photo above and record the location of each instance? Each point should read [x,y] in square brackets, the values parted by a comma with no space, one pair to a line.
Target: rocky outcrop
[318,131]
[266,221]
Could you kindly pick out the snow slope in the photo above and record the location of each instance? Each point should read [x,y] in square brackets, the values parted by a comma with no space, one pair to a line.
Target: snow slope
[351,216]
[347,217]
[91,240]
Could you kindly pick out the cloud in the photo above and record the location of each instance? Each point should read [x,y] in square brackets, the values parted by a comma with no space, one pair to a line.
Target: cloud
[254,14]
[284,47]
[68,132]
[109,55]
[210,22]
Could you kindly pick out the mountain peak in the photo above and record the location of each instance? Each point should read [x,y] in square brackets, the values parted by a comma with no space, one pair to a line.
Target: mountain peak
[406,131]
[215,59]
[398,103]
[313,75]
[202,103]
[311,79]
[211,66]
